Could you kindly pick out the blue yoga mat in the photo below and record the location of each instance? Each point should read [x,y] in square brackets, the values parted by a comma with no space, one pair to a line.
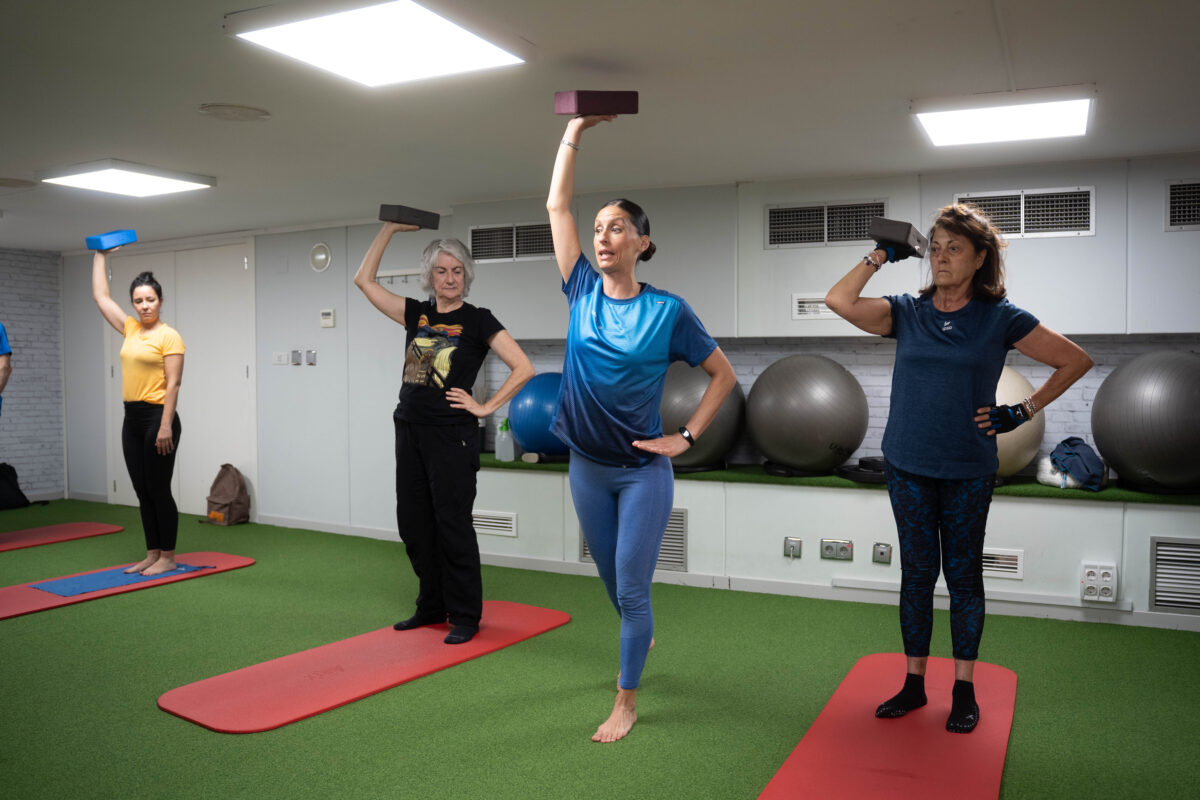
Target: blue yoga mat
[106,579]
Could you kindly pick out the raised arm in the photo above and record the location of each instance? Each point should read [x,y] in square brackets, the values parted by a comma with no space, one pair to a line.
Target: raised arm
[365,279]
[108,307]
[721,381]
[871,314]
[562,186]
[520,371]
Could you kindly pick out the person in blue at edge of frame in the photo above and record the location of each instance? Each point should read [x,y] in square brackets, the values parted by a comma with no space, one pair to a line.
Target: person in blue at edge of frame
[621,337]
[436,425]
[939,444]
[5,363]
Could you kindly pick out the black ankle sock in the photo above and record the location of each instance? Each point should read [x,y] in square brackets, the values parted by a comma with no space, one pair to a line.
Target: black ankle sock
[417,620]
[910,697]
[964,711]
[460,634]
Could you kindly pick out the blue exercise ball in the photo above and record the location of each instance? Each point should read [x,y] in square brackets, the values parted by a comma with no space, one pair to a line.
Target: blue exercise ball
[530,412]
[1146,424]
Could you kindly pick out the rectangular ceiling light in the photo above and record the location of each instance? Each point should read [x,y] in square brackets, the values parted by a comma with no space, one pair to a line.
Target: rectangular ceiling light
[1006,116]
[377,45]
[124,177]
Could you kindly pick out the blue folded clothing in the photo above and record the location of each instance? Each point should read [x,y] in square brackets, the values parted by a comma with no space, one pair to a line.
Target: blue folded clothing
[105,579]
[1076,458]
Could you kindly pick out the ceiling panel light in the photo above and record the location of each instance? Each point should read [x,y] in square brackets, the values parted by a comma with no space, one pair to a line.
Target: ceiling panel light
[378,45]
[124,177]
[1007,116]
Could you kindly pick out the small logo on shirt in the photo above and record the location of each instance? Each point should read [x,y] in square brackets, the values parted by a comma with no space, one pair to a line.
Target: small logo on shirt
[947,325]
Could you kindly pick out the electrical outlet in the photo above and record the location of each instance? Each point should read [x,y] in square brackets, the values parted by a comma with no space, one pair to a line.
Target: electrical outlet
[791,547]
[881,553]
[838,549]
[1098,582]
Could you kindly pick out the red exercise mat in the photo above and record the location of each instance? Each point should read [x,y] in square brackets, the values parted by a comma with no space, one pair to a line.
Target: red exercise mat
[32,537]
[24,599]
[849,754]
[301,685]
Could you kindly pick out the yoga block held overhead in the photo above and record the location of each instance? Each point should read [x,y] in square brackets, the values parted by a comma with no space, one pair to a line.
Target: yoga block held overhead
[907,240]
[409,216]
[107,241]
[580,101]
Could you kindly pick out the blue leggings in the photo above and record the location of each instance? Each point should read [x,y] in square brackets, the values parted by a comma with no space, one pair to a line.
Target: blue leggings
[940,520]
[623,512]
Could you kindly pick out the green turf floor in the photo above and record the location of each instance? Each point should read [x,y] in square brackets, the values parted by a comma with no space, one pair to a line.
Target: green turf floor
[735,680]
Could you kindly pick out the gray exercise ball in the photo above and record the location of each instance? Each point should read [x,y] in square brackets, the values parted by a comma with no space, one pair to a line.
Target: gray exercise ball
[681,396]
[1146,421]
[807,412]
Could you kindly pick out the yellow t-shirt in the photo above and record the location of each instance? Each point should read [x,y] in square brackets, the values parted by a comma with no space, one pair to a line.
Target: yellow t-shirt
[142,375]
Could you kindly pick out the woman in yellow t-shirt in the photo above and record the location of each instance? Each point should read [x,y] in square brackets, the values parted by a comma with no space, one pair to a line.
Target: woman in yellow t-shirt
[151,369]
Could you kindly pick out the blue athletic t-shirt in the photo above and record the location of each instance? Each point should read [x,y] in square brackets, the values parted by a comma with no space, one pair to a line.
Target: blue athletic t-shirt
[947,366]
[4,347]
[616,364]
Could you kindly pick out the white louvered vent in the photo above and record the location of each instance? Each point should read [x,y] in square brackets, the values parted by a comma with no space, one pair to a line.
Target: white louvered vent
[1183,206]
[511,242]
[1003,563]
[819,224]
[810,307]
[673,554]
[1175,575]
[496,523]
[1037,213]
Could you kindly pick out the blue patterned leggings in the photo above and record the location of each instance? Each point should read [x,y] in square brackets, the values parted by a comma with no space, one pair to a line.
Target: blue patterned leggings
[940,520]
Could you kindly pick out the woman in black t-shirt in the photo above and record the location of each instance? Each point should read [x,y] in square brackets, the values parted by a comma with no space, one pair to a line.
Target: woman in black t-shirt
[437,439]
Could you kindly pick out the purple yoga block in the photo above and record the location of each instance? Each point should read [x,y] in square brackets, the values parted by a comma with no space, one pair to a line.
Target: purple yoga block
[582,101]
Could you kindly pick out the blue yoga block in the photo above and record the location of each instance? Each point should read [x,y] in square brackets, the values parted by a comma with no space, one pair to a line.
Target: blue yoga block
[107,241]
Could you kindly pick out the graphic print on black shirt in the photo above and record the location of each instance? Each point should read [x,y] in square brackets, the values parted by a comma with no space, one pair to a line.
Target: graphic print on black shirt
[430,353]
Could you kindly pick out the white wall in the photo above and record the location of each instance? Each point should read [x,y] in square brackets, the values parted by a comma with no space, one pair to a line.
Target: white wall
[83,376]
[1164,267]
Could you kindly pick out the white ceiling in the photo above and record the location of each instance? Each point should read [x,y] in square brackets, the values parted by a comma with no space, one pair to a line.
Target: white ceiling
[730,91]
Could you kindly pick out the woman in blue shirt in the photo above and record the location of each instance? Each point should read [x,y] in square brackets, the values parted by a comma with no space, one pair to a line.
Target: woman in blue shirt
[621,337]
[939,445]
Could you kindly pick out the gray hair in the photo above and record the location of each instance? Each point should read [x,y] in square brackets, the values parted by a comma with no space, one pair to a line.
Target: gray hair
[456,250]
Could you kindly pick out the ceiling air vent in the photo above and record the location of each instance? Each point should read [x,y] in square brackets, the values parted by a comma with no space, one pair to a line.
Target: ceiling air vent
[1174,575]
[1183,206]
[1002,563]
[673,554]
[818,224]
[511,242]
[496,523]
[1037,213]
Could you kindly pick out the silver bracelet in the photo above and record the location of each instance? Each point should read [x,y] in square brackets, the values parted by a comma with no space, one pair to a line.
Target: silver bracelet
[867,258]
[570,145]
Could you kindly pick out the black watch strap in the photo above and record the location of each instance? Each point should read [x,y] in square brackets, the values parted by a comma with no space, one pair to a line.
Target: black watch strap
[686,434]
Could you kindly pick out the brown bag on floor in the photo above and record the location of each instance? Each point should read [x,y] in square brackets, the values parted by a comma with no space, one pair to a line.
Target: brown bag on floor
[228,500]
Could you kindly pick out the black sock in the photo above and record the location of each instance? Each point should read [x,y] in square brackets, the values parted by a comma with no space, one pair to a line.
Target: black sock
[417,620]
[910,697]
[964,711]
[460,634]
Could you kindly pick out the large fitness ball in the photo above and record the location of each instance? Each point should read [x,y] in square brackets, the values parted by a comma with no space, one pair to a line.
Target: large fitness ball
[681,396]
[1019,446]
[807,412]
[1146,421]
[530,412]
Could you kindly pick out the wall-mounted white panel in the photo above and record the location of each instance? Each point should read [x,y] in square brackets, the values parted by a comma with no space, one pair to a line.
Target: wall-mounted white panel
[303,411]
[538,502]
[705,505]
[1142,522]
[767,278]
[1074,284]
[1164,266]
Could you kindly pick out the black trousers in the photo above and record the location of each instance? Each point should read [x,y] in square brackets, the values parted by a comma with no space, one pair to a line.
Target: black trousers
[435,493]
[151,473]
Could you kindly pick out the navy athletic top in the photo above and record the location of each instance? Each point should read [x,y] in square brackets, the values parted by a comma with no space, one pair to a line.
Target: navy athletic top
[947,366]
[616,364]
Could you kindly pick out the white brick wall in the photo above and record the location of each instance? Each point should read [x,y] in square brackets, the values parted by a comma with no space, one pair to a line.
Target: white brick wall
[870,359]
[31,422]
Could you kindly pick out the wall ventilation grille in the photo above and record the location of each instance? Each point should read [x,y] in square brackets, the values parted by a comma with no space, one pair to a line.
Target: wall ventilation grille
[672,556]
[819,224]
[511,242]
[496,523]
[1033,213]
[1002,563]
[810,307]
[1183,206]
[1174,575]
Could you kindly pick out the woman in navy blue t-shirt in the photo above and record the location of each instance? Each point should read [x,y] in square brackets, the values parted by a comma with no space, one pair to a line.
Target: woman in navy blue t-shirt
[939,445]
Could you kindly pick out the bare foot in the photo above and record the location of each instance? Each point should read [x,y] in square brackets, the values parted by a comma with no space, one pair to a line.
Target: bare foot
[163,564]
[620,722]
[141,565]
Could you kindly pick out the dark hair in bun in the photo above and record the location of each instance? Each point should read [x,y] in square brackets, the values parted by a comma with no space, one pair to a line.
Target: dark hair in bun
[641,223]
[146,279]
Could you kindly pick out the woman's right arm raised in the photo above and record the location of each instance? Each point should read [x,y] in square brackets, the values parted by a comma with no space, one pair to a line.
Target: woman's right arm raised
[108,307]
[871,314]
[366,278]
[562,185]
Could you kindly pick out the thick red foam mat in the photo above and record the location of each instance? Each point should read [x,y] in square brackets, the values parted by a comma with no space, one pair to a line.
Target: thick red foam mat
[24,599]
[301,685]
[851,755]
[32,537]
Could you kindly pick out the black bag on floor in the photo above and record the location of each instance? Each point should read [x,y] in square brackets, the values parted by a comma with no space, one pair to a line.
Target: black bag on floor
[11,495]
